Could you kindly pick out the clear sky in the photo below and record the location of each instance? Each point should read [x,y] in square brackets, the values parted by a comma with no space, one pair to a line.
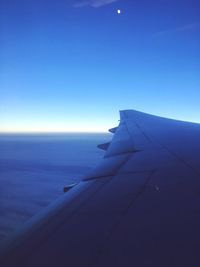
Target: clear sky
[72,65]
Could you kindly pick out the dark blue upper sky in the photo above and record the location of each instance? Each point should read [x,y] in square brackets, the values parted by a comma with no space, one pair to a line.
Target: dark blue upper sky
[71,65]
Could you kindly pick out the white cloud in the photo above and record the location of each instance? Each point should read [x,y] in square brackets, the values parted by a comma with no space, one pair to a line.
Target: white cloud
[94,3]
[184,28]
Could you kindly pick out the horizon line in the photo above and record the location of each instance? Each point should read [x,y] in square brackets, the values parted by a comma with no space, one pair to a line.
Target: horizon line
[52,132]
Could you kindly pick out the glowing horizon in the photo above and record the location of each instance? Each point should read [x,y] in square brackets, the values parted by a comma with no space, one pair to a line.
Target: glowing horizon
[51,129]
[83,126]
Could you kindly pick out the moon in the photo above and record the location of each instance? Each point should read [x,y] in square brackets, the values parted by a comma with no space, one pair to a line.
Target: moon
[119,11]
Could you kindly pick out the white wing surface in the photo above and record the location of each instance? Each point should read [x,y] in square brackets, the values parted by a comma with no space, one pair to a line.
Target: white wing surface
[139,207]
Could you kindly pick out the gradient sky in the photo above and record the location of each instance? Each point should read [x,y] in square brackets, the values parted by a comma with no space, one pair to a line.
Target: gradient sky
[72,65]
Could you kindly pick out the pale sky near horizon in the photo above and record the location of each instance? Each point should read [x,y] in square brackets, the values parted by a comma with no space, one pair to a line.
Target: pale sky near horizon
[72,65]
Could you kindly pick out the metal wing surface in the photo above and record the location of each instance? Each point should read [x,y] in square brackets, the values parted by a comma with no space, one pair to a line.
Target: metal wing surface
[139,207]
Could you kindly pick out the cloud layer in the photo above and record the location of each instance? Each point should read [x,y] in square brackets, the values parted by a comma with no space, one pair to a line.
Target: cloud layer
[94,3]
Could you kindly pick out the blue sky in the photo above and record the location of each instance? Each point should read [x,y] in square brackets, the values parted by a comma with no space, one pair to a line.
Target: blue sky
[72,65]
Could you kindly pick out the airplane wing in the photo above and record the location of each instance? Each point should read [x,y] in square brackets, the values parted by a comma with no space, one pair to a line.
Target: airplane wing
[139,207]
